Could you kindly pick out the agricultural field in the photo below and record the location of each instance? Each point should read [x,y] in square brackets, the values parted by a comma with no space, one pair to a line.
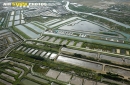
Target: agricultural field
[28,30]
[46,72]
[15,18]
[62,43]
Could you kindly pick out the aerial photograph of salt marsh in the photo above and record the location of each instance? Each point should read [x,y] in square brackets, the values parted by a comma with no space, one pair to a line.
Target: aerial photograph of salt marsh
[64,42]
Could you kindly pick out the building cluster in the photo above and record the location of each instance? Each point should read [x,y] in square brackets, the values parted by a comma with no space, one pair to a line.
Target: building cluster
[51,9]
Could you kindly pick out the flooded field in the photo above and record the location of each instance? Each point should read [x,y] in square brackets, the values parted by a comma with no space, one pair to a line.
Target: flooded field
[17,12]
[22,16]
[34,27]
[22,21]
[9,24]
[12,13]
[17,17]
[27,31]
[62,22]
[11,18]
[39,24]
[83,26]
[111,58]
[80,63]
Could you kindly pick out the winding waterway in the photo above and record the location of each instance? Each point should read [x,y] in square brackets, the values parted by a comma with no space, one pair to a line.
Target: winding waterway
[114,21]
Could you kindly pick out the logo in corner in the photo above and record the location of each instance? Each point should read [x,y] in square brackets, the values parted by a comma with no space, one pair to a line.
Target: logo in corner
[19,4]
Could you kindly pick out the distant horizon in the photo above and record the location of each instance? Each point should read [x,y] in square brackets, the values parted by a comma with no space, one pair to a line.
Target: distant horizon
[25,0]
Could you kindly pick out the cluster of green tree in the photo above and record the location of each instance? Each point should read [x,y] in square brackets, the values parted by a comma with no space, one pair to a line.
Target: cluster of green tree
[97,46]
[3,66]
[19,60]
[111,49]
[22,56]
[37,68]
[35,57]
[28,55]
[79,55]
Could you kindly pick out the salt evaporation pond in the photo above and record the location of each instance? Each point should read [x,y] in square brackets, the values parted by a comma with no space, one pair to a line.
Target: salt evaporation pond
[34,27]
[85,64]
[27,31]
[83,26]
